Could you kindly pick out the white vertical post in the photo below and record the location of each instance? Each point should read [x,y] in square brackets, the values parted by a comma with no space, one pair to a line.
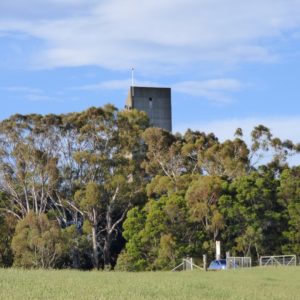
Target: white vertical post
[218,250]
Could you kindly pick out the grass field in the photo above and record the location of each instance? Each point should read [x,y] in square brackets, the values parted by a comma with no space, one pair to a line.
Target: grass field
[257,283]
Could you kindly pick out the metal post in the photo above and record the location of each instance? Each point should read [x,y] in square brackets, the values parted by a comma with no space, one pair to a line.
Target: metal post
[227,260]
[205,262]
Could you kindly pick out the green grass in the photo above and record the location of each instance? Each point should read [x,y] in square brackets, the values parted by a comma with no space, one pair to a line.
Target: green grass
[256,283]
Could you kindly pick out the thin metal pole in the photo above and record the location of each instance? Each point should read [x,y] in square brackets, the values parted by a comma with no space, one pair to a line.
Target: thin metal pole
[132,76]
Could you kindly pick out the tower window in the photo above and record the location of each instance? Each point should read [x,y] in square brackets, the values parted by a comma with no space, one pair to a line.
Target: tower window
[150,103]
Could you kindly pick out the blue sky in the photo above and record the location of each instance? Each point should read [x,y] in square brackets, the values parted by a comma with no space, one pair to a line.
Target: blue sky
[230,63]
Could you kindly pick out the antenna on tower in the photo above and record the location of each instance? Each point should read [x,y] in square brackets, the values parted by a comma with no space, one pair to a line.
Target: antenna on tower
[132,76]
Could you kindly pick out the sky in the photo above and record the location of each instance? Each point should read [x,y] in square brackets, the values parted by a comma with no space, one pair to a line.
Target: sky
[230,63]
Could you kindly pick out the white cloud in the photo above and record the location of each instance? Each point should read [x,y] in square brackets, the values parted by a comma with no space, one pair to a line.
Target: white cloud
[282,127]
[121,84]
[215,90]
[166,34]
[28,93]
[20,89]
[46,9]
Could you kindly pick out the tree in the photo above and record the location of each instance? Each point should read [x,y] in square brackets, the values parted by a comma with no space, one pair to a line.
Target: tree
[263,141]
[28,165]
[37,242]
[160,234]
[133,258]
[289,198]
[202,199]
[194,153]
[90,207]
[252,214]
[111,178]
[195,144]
[230,159]
[164,154]
[7,224]
[7,228]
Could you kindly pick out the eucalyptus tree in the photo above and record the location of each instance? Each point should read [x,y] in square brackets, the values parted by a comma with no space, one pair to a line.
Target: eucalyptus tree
[28,164]
[228,159]
[110,179]
[194,153]
[202,200]
[164,154]
[196,143]
[263,141]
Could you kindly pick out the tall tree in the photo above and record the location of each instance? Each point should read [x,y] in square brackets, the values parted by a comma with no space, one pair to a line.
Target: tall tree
[202,200]
[289,198]
[28,165]
[111,179]
[7,228]
[252,214]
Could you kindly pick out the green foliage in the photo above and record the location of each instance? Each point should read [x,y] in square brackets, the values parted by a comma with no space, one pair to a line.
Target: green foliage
[90,197]
[293,234]
[159,234]
[253,215]
[289,197]
[7,226]
[76,248]
[202,197]
[37,242]
[77,182]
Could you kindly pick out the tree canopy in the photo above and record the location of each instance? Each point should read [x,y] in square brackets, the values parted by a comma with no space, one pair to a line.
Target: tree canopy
[102,189]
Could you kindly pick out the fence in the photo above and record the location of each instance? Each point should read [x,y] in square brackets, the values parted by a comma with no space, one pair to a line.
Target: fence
[281,260]
[187,265]
[238,262]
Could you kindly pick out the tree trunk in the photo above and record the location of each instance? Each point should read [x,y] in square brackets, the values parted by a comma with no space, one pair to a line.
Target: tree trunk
[106,251]
[75,258]
[95,247]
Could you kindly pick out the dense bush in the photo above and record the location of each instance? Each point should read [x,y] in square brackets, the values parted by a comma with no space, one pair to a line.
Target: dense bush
[37,242]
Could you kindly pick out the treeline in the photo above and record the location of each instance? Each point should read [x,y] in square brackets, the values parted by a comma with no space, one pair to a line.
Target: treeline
[100,189]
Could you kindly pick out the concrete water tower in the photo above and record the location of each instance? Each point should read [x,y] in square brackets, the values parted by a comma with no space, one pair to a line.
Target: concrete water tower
[155,101]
